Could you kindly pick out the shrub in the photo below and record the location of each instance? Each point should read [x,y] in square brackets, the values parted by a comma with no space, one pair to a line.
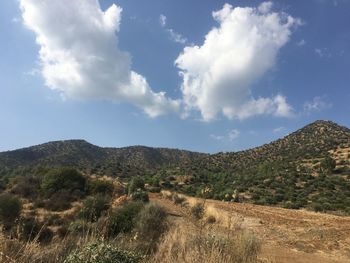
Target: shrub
[59,201]
[151,223]
[327,165]
[198,210]
[97,186]
[30,229]
[101,253]
[79,226]
[10,209]
[64,178]
[122,220]
[139,196]
[93,207]
[26,186]
[136,184]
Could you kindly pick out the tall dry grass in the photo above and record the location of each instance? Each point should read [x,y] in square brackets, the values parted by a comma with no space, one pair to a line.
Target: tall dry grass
[187,241]
[184,246]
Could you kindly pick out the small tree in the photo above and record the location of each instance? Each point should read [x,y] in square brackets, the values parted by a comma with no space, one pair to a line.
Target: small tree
[64,178]
[10,209]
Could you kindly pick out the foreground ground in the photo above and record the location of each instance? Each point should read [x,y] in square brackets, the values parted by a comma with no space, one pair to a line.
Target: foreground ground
[288,236]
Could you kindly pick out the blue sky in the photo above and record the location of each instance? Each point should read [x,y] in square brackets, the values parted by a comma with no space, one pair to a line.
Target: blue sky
[245,90]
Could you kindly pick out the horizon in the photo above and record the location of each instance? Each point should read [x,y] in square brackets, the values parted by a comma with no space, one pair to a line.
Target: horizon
[148,74]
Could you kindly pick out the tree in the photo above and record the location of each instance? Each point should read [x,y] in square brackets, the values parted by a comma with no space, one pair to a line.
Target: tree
[64,178]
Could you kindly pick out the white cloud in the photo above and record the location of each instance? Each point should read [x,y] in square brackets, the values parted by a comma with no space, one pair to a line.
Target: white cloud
[162,20]
[176,37]
[173,35]
[317,104]
[217,76]
[80,57]
[230,136]
[265,7]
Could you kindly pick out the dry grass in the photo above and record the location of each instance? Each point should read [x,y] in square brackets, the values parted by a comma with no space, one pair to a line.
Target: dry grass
[187,241]
[183,246]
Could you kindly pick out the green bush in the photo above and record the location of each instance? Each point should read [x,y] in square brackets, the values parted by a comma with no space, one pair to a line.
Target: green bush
[122,220]
[93,207]
[10,209]
[101,253]
[151,223]
[97,186]
[64,178]
[140,196]
[136,184]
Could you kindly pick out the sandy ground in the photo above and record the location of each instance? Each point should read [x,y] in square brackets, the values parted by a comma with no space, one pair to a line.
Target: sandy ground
[289,236]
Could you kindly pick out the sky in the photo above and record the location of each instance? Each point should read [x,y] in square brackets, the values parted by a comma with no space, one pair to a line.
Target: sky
[200,75]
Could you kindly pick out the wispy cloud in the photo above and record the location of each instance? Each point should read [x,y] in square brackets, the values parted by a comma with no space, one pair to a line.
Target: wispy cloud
[301,43]
[323,52]
[279,129]
[162,20]
[230,136]
[317,104]
[173,35]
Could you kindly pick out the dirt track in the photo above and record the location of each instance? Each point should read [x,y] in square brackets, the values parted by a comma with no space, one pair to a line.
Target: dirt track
[289,236]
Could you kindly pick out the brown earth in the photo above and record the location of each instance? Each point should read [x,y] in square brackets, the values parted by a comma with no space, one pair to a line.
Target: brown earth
[288,236]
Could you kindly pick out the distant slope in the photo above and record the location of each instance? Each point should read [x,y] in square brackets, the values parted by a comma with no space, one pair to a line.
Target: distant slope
[83,155]
[311,141]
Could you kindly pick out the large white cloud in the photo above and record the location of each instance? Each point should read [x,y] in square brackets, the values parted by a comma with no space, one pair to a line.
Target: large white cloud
[80,56]
[217,76]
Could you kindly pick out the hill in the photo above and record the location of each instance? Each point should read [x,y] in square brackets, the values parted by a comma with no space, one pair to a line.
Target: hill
[308,168]
[91,158]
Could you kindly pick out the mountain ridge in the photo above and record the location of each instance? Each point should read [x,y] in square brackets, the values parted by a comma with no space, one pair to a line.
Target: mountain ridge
[314,139]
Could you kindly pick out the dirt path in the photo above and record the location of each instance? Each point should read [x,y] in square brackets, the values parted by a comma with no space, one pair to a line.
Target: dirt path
[289,236]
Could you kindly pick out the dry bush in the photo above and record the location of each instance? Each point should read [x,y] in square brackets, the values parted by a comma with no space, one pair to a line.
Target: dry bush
[179,200]
[198,211]
[181,246]
[151,224]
